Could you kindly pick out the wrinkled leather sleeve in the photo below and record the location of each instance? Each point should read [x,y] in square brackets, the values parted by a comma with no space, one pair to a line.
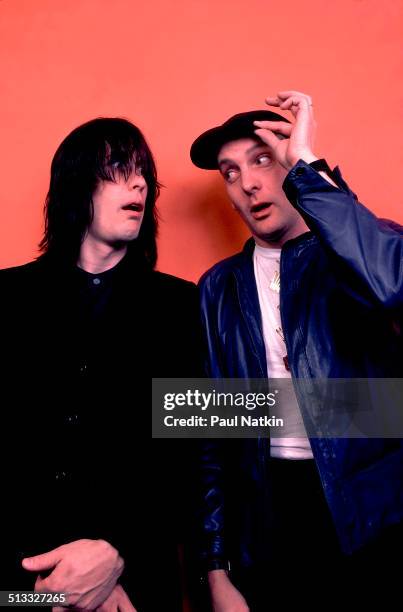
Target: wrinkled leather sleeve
[212,546]
[211,453]
[368,250]
[213,364]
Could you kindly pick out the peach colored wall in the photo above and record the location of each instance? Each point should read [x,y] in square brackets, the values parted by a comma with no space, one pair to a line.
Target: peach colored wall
[176,68]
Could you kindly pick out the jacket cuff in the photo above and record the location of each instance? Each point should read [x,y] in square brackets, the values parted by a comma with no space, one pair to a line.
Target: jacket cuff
[215,564]
[302,179]
[211,565]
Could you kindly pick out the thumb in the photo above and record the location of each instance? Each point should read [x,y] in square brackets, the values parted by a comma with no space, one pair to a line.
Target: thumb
[42,562]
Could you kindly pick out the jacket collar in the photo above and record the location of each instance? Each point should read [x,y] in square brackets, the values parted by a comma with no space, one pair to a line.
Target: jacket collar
[249,302]
[248,295]
[298,243]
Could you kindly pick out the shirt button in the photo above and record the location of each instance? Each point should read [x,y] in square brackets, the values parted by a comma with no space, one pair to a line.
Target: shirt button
[300,171]
[96,281]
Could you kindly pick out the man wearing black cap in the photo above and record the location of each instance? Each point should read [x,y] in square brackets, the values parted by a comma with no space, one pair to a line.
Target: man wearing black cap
[279,513]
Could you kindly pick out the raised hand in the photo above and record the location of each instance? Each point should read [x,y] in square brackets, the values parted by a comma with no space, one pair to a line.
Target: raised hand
[299,136]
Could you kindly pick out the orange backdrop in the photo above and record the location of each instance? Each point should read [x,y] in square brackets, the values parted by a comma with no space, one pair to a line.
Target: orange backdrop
[176,68]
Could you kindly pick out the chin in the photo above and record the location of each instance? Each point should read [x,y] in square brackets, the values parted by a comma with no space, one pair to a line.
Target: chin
[272,235]
[122,241]
[268,231]
[130,236]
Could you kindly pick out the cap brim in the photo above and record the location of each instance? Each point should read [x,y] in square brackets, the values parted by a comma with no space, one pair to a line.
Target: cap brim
[205,149]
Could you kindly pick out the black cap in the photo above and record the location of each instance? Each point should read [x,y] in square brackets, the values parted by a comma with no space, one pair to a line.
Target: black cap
[205,149]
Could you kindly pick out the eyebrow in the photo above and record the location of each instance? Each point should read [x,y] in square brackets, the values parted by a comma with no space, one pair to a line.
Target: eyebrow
[226,160]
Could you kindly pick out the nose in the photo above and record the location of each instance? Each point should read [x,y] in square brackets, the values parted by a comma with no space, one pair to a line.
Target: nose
[136,181]
[250,181]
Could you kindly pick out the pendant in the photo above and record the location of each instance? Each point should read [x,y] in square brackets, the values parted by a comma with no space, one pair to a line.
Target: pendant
[275,282]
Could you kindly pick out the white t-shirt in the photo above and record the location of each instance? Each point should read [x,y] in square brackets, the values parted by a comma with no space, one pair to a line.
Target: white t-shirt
[296,444]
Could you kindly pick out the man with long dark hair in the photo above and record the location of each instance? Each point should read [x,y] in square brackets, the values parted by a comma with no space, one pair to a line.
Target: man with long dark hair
[85,326]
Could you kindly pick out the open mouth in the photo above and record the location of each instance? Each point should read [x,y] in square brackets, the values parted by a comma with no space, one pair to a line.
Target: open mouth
[258,211]
[134,207]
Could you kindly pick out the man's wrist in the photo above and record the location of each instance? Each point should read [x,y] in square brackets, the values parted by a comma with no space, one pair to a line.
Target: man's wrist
[307,157]
[217,576]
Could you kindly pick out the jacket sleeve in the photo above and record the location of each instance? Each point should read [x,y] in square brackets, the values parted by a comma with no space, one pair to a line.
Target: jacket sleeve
[213,362]
[212,546]
[211,454]
[368,251]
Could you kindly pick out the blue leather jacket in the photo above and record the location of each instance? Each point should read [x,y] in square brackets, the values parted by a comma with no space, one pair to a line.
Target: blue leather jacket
[341,309]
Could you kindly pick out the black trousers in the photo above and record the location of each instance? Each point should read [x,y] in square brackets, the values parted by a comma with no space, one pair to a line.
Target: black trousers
[306,561]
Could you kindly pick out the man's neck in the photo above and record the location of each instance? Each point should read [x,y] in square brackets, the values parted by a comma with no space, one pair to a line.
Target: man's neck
[277,241]
[96,258]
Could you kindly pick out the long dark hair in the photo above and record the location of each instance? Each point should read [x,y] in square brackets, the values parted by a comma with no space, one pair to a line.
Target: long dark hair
[96,151]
